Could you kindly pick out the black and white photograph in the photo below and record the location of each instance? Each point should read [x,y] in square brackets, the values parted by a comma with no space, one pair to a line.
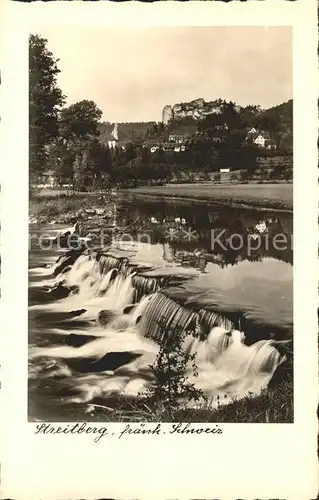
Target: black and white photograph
[161,224]
[159,250]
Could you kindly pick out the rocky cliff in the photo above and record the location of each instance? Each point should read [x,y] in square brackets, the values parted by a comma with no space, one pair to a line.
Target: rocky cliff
[197,109]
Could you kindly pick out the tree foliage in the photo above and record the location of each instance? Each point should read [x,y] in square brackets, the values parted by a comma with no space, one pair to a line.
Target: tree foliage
[80,121]
[45,102]
[77,156]
[171,383]
[61,161]
[73,142]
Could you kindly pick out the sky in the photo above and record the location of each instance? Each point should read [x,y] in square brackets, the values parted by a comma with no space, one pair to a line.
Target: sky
[131,73]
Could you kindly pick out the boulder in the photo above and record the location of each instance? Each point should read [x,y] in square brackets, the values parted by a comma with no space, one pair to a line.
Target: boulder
[78,340]
[105,317]
[65,262]
[66,270]
[109,362]
[70,241]
[74,253]
[128,309]
[59,291]
[75,313]
[38,295]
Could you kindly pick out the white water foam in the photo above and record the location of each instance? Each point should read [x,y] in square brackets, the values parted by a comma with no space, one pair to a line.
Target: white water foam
[226,366]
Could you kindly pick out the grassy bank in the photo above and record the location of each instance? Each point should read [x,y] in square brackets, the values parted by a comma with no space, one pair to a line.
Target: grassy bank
[261,196]
[56,205]
[50,204]
[274,405]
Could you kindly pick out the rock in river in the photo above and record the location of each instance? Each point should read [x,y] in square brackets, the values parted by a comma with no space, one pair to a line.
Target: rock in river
[105,317]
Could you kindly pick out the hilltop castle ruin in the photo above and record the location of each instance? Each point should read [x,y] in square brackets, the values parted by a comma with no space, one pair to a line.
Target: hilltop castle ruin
[197,109]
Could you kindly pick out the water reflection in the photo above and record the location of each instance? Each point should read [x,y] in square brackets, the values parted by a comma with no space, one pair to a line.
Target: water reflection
[194,236]
[253,279]
[185,258]
[94,316]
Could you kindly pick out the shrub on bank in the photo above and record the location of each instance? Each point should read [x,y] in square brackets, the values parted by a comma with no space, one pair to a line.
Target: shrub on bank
[271,406]
[171,383]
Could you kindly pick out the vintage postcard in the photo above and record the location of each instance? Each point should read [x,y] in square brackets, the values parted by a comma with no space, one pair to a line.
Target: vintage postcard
[159,250]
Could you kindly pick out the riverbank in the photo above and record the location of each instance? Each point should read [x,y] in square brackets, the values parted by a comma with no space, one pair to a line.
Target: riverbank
[276,197]
[274,405]
[49,204]
[65,207]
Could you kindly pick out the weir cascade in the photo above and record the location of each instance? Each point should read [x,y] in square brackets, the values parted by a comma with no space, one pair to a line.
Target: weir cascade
[115,309]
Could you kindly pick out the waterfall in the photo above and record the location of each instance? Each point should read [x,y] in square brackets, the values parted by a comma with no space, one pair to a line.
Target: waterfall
[121,292]
[138,316]
[107,262]
[218,340]
[144,285]
[209,319]
[82,271]
[105,282]
[163,309]
[261,357]
[139,309]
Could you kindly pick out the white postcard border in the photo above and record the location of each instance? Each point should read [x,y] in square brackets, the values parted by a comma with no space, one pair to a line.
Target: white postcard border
[247,460]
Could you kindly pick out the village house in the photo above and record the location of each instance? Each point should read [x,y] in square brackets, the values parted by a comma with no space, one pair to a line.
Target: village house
[179,147]
[168,147]
[172,147]
[250,131]
[47,180]
[261,139]
[176,143]
[178,138]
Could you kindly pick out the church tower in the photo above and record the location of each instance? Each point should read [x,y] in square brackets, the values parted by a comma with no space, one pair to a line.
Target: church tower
[113,138]
[115,132]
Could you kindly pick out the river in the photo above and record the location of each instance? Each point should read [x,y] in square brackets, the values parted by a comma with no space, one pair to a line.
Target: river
[228,271]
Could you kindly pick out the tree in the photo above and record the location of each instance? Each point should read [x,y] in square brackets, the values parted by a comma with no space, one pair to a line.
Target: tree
[244,176]
[45,102]
[248,158]
[249,115]
[80,121]
[131,152]
[277,171]
[269,120]
[61,159]
[158,156]
[169,370]
[83,170]
[230,115]
[92,164]
[286,143]
[233,177]
[78,152]
[210,122]
[288,174]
